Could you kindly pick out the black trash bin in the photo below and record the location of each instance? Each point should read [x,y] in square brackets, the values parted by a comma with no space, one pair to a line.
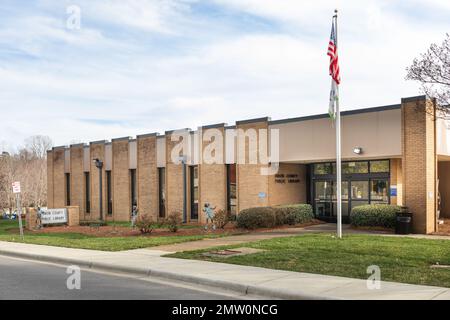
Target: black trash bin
[403,223]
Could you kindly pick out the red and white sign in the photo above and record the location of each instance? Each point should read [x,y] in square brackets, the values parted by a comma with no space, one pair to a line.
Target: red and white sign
[16,187]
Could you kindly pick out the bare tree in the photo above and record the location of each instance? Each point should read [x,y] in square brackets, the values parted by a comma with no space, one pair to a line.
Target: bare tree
[432,70]
[29,166]
[38,145]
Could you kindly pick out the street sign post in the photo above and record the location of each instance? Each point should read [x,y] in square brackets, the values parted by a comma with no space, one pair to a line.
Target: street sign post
[16,191]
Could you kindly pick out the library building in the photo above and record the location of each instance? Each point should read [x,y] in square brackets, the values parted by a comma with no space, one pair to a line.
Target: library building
[397,154]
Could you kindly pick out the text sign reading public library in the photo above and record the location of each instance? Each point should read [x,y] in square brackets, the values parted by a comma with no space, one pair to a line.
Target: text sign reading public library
[54,216]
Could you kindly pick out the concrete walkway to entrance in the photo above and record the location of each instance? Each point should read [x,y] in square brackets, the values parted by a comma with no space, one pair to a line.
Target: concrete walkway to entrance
[252,281]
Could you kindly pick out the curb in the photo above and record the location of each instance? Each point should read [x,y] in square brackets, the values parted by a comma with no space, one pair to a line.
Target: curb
[243,289]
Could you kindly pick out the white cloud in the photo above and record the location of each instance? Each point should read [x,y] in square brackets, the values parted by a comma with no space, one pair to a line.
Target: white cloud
[90,85]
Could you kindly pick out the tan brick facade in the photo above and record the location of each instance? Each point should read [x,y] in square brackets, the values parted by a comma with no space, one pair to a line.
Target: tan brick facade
[413,170]
[289,185]
[419,163]
[59,189]
[213,177]
[253,188]
[50,175]
[97,152]
[77,196]
[121,180]
[174,180]
[147,175]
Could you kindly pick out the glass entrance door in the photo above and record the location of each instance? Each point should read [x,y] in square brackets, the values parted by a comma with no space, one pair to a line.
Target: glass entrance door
[323,191]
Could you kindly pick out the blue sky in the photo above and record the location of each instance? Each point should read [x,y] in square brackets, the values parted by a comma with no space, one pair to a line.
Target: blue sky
[139,66]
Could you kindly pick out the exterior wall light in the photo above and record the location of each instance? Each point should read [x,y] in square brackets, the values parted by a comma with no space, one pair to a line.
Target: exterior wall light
[357,150]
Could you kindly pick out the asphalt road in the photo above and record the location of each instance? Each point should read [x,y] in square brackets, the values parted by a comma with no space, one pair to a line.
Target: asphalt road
[23,279]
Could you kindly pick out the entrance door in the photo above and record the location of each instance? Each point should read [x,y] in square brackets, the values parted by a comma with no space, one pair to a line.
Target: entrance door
[345,200]
[323,191]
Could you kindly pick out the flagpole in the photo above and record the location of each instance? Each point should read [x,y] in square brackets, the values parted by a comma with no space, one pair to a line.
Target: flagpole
[338,150]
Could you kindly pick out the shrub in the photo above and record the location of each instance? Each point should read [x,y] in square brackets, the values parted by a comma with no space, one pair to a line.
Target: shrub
[252,218]
[296,213]
[145,223]
[173,221]
[269,217]
[374,215]
[221,219]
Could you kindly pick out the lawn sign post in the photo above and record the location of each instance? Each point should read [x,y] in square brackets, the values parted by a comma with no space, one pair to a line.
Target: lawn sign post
[16,191]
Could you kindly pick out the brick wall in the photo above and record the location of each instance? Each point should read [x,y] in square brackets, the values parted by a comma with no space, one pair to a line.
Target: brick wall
[147,175]
[419,163]
[59,190]
[285,192]
[50,185]
[174,180]
[213,179]
[121,180]
[250,182]
[97,151]
[77,178]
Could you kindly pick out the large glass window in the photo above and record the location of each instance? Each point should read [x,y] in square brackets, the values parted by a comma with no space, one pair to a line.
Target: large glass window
[162,192]
[87,189]
[363,182]
[194,191]
[67,189]
[379,190]
[323,168]
[133,188]
[231,188]
[109,203]
[355,167]
[379,166]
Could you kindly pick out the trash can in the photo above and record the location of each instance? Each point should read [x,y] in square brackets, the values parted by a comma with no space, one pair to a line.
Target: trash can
[403,224]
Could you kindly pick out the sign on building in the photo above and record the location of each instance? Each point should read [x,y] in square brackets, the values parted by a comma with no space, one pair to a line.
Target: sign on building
[54,216]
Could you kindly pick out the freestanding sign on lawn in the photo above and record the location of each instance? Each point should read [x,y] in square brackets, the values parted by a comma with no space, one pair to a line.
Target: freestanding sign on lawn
[16,191]
[54,216]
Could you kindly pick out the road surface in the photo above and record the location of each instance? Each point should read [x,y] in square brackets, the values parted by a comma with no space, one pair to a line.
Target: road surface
[24,279]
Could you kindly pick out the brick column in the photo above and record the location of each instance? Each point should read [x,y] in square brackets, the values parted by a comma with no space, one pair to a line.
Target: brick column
[59,195]
[50,186]
[250,182]
[212,177]
[147,175]
[97,151]
[121,179]
[419,162]
[77,176]
[174,178]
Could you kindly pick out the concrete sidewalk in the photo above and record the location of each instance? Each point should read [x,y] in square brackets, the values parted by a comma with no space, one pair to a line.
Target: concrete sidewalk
[245,280]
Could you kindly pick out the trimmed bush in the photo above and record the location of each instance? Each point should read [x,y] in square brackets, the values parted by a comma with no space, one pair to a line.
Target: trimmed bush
[269,217]
[374,215]
[296,213]
[253,218]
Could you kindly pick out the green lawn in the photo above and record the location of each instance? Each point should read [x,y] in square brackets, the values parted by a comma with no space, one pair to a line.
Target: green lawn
[404,259]
[9,231]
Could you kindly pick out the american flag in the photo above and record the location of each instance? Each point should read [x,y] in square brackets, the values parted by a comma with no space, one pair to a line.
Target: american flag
[334,72]
[333,54]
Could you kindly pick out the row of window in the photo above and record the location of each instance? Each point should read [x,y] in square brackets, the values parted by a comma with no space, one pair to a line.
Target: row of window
[353,167]
[194,190]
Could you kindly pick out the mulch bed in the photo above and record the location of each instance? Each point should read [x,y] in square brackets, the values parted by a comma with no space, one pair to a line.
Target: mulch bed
[121,231]
[444,229]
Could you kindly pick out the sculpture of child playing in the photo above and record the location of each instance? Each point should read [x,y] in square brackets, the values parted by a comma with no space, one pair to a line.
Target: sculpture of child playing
[209,212]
